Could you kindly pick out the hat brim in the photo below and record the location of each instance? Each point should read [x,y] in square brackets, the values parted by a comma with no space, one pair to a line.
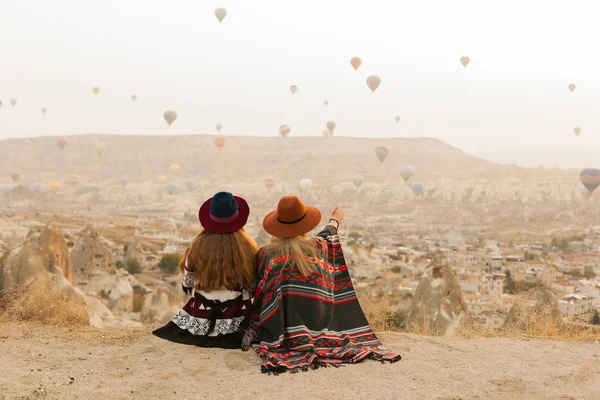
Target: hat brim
[229,227]
[278,229]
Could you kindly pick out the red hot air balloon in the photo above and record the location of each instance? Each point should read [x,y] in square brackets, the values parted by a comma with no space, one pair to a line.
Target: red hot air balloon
[62,142]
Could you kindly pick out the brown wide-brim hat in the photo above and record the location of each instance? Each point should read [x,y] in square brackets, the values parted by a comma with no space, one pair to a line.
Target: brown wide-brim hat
[292,218]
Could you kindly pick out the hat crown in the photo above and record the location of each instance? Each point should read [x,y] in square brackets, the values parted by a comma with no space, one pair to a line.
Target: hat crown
[290,209]
[223,205]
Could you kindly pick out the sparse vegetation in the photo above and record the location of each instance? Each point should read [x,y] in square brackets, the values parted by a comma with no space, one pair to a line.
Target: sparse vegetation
[595,318]
[41,301]
[169,263]
[133,266]
[119,264]
[588,272]
[561,244]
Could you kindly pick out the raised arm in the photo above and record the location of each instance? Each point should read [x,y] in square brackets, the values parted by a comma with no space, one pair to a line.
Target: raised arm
[336,217]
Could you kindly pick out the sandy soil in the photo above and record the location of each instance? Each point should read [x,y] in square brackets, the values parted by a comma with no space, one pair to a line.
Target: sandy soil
[55,363]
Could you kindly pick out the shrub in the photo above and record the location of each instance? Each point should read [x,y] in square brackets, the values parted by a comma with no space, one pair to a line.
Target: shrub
[595,318]
[119,264]
[169,263]
[70,244]
[133,266]
[354,235]
[42,301]
[588,272]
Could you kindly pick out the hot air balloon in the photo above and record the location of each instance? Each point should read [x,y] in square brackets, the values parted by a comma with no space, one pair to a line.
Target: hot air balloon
[220,143]
[269,183]
[363,172]
[330,125]
[382,152]
[175,168]
[171,188]
[15,177]
[44,110]
[170,116]
[54,187]
[373,82]
[73,179]
[219,127]
[220,13]
[190,184]
[305,184]
[326,102]
[99,151]
[465,61]
[161,179]
[572,87]
[355,62]
[590,178]
[133,97]
[397,118]
[61,143]
[13,101]
[418,189]
[293,89]
[577,131]
[326,132]
[358,181]
[407,171]
[96,90]
[284,130]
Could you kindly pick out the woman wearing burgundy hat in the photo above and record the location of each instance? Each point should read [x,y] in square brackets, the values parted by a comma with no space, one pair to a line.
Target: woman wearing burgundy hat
[305,313]
[219,267]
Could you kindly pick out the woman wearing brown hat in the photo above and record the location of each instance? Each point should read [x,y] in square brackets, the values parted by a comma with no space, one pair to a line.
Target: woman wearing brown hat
[305,313]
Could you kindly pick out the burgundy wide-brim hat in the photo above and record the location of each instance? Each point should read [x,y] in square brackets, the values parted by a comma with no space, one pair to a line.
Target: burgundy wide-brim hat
[224,213]
[292,218]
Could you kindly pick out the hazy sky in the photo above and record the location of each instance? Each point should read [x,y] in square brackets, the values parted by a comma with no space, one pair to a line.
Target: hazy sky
[176,55]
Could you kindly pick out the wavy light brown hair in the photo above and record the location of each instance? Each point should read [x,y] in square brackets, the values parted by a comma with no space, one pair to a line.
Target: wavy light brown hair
[301,249]
[221,261]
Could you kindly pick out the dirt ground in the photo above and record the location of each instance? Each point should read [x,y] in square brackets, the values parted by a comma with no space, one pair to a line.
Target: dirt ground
[39,362]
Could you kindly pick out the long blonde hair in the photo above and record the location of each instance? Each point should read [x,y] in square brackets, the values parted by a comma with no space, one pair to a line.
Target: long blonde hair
[301,249]
[221,260]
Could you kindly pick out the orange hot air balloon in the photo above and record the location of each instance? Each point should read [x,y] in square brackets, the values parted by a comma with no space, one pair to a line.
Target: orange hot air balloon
[220,143]
[269,183]
[99,151]
[61,143]
[355,62]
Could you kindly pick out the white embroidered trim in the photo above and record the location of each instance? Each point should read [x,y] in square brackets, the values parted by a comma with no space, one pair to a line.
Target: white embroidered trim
[199,326]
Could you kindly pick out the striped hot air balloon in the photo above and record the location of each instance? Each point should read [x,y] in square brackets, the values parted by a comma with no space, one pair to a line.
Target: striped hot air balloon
[269,183]
[220,143]
[590,178]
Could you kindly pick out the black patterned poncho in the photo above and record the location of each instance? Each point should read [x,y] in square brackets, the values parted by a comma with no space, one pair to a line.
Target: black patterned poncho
[304,322]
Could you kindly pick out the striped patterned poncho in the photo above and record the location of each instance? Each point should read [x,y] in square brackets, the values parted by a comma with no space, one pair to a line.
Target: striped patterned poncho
[304,322]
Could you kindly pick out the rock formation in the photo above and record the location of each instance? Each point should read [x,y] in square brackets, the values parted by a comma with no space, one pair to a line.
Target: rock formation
[90,255]
[160,305]
[545,308]
[135,252]
[437,304]
[47,252]
[52,241]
